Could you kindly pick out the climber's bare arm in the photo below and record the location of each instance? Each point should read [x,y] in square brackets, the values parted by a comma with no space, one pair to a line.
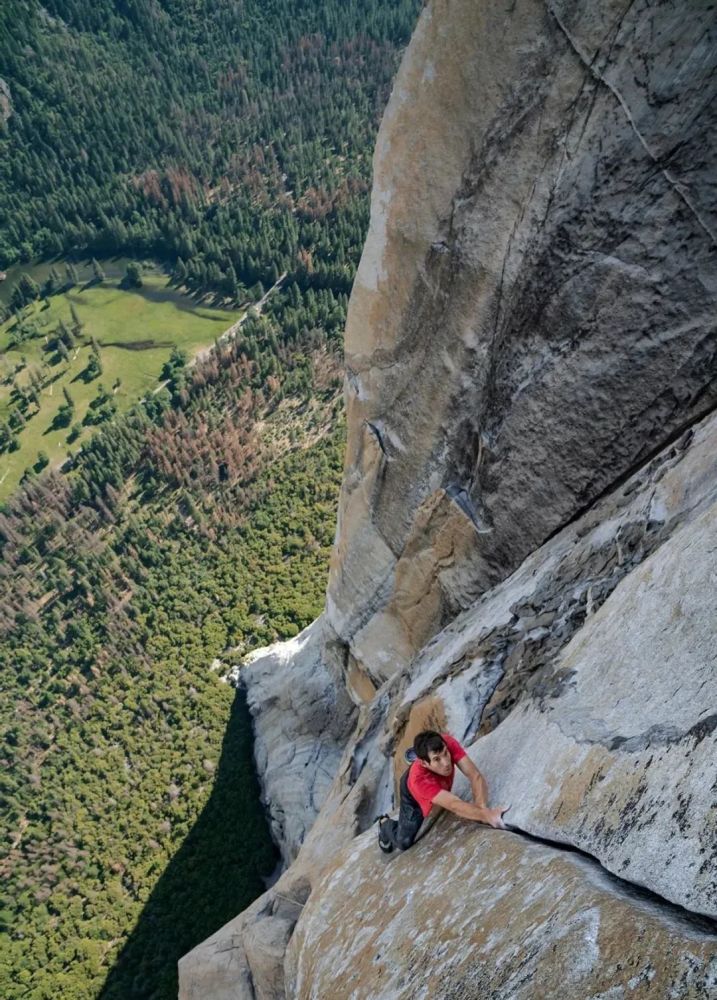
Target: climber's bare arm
[478,782]
[469,810]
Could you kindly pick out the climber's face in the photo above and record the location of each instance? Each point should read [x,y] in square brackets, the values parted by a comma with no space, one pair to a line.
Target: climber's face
[439,761]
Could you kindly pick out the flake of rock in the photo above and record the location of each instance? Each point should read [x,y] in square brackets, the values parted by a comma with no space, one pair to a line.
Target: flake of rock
[621,762]
[300,726]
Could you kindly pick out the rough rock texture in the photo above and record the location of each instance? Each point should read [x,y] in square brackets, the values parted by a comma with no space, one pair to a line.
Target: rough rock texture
[516,630]
[245,958]
[472,913]
[607,640]
[300,729]
[534,312]
[527,541]
[622,759]
[533,659]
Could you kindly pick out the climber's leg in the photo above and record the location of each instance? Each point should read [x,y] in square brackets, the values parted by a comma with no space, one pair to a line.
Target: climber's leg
[401,833]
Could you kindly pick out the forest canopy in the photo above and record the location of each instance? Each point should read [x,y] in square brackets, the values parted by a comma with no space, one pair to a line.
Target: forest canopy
[231,141]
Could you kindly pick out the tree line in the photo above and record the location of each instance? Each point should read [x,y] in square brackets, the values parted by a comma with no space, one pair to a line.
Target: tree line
[232,141]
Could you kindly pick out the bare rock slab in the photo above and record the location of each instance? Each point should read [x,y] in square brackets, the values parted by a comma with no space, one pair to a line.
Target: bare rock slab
[471,912]
[620,757]
[302,716]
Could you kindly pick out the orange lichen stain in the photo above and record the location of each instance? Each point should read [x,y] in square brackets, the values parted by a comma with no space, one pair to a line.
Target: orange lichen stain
[417,596]
[676,613]
[577,784]
[359,684]
[619,795]
[601,786]
[440,537]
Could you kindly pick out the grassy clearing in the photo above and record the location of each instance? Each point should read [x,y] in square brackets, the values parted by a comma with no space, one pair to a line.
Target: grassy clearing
[135,331]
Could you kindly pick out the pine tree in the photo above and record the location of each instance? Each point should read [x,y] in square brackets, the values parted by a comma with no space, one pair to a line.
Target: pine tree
[52,283]
[29,288]
[133,275]
[94,367]
[180,272]
[76,322]
[16,420]
[231,284]
[63,334]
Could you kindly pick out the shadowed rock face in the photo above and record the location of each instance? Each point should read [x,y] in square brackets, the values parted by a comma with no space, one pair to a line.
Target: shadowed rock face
[534,312]
[526,551]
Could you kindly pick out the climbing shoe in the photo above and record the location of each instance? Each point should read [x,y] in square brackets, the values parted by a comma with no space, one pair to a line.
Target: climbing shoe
[385,845]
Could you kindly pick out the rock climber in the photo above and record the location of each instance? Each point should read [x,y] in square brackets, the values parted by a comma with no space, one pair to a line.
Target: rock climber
[427,784]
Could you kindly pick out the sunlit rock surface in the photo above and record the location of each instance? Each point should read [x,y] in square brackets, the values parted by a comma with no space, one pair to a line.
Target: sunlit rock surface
[471,912]
[527,542]
[620,757]
[534,312]
[300,728]
[593,672]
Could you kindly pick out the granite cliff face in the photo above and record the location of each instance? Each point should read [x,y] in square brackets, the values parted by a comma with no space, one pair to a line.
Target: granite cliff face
[526,550]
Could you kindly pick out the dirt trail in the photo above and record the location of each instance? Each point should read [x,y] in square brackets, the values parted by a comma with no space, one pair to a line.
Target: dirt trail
[232,331]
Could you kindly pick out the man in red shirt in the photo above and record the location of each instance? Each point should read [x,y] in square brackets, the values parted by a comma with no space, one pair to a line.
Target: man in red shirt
[427,784]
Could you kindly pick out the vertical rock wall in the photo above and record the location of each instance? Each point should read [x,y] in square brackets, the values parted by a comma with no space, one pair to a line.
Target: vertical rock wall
[526,540]
[534,312]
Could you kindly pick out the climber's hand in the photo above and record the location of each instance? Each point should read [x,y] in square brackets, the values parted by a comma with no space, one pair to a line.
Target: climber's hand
[494,817]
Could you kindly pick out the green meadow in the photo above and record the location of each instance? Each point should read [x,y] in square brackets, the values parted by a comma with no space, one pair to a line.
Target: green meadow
[132,331]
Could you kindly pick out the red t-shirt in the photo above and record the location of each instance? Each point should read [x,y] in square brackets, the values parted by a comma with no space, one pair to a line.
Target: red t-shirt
[424,785]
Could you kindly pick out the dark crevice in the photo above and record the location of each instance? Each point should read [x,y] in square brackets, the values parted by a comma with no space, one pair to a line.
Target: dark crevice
[697,922]
[677,185]
[462,499]
[641,463]
[250,983]
[660,736]
[375,430]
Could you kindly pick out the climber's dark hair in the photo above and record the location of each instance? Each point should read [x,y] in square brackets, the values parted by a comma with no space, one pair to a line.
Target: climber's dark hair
[427,743]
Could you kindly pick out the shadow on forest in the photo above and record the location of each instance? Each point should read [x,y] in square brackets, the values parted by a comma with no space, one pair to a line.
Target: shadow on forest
[214,875]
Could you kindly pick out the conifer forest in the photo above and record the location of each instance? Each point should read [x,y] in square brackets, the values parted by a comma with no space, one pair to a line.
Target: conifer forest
[222,150]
